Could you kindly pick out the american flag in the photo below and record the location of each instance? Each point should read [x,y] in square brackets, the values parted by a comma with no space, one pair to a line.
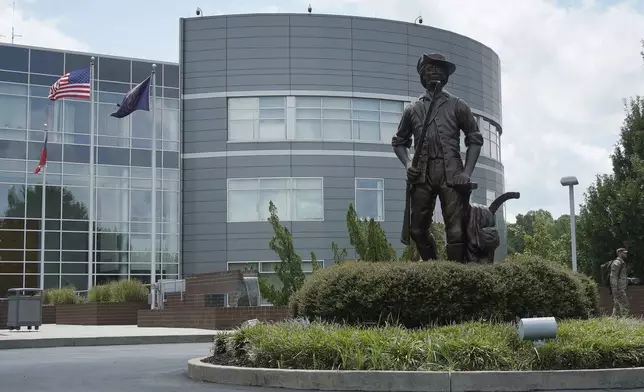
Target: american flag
[74,84]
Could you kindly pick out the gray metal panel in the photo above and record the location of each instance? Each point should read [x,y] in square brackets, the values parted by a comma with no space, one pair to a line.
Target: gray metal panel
[307,52]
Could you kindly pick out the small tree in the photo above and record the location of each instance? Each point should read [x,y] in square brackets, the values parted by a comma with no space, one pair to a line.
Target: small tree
[368,238]
[289,269]
[338,255]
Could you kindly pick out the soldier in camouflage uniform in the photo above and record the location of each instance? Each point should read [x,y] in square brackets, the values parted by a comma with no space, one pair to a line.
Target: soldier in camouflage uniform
[619,283]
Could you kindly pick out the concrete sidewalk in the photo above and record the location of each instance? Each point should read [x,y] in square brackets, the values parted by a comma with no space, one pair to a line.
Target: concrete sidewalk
[54,335]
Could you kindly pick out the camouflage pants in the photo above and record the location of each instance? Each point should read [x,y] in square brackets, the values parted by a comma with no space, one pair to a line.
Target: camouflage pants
[620,303]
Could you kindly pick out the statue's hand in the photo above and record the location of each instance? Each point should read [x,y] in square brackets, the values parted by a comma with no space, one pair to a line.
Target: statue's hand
[413,174]
[461,178]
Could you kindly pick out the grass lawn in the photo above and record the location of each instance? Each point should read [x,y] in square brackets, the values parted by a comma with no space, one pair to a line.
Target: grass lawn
[581,344]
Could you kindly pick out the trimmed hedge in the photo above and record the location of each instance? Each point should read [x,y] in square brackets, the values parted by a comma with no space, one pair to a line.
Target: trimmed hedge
[442,292]
[474,346]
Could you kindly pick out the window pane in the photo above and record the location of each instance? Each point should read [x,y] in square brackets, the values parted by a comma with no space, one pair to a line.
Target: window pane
[336,114]
[279,197]
[141,124]
[241,130]
[171,207]
[14,58]
[388,130]
[242,206]
[366,130]
[366,104]
[272,114]
[171,125]
[76,118]
[13,88]
[274,183]
[337,129]
[307,183]
[308,129]
[13,112]
[366,115]
[369,204]
[112,205]
[141,205]
[339,103]
[390,117]
[494,151]
[272,129]
[75,203]
[242,104]
[249,183]
[47,62]
[234,115]
[486,148]
[490,195]
[308,205]
[307,102]
[272,102]
[308,113]
[391,106]
[112,126]
[369,183]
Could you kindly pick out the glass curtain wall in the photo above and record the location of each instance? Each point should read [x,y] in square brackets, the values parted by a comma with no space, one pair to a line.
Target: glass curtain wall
[123,172]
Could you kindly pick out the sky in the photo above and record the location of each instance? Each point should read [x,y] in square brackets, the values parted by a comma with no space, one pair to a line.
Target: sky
[566,65]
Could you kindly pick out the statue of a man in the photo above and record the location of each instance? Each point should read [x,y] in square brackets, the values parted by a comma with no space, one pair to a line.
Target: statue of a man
[435,122]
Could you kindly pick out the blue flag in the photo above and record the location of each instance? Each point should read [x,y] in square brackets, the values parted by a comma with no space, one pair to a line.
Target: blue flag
[136,99]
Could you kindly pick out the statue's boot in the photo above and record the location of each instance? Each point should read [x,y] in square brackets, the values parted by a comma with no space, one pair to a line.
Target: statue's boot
[427,251]
[455,252]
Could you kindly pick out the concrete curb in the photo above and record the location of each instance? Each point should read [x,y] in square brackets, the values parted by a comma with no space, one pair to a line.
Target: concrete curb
[103,341]
[381,381]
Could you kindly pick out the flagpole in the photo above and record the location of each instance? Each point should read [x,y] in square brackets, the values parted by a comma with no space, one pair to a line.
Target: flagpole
[43,208]
[90,240]
[153,257]
[42,227]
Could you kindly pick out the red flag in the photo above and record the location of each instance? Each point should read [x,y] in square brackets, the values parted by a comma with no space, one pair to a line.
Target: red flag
[43,156]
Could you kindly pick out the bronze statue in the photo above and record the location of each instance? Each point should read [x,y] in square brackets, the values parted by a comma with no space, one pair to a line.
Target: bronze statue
[437,170]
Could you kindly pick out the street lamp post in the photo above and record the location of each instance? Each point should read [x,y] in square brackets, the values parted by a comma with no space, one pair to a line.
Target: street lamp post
[570,182]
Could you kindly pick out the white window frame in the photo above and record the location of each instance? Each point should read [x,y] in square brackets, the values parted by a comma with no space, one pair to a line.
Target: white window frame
[381,191]
[489,200]
[290,199]
[262,301]
[290,120]
[256,119]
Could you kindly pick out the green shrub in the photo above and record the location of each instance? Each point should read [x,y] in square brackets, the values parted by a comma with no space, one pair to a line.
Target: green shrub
[472,346]
[119,291]
[129,291]
[440,292]
[100,293]
[65,295]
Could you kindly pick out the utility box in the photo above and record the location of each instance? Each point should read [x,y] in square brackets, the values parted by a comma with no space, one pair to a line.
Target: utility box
[24,308]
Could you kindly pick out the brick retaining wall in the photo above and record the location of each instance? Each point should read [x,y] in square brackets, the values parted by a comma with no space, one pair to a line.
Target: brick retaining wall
[209,318]
[99,313]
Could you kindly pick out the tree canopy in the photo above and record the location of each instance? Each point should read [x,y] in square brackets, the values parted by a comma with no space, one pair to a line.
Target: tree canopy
[611,215]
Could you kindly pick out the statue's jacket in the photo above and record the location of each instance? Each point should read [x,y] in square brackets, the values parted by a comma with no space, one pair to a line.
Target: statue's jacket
[450,115]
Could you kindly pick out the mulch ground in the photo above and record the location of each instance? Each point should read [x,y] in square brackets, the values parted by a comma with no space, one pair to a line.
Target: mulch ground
[223,360]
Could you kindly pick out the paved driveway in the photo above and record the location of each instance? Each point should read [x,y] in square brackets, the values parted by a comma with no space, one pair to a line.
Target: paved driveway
[144,368]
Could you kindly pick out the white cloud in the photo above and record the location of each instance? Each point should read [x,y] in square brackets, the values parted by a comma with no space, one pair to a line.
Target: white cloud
[565,72]
[34,31]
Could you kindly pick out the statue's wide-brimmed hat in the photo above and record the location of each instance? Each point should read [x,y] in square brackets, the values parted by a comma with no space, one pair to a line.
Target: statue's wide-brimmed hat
[435,58]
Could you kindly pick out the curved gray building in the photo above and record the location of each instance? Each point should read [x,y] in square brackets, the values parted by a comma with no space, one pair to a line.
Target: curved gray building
[300,109]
